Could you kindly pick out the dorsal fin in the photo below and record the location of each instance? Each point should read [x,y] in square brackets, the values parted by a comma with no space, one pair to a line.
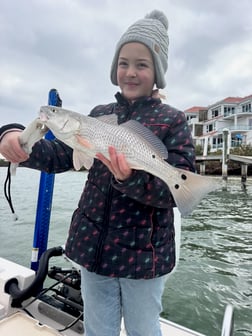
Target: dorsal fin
[147,135]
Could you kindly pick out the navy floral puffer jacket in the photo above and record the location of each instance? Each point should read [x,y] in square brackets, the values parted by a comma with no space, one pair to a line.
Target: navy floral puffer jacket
[124,229]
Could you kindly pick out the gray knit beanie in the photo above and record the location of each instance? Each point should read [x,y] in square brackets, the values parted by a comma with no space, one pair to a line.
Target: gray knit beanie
[152,32]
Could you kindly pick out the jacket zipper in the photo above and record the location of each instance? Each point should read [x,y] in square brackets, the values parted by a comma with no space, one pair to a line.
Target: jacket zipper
[104,231]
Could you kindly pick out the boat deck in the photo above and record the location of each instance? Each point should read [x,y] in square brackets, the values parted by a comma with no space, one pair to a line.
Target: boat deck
[49,318]
[23,325]
[27,326]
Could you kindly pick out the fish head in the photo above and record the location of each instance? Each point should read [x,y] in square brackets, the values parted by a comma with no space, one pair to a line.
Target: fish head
[63,123]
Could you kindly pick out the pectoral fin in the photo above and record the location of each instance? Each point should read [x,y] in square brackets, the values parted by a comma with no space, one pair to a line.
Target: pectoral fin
[84,142]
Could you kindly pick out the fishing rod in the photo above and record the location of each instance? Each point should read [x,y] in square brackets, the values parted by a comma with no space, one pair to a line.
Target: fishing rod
[44,203]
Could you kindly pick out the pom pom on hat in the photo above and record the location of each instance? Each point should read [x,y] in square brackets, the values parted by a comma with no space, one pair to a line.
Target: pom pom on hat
[152,32]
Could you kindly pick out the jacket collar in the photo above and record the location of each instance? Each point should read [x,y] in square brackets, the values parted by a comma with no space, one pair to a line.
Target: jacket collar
[121,100]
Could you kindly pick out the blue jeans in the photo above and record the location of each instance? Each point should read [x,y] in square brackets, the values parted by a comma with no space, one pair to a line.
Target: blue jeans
[107,299]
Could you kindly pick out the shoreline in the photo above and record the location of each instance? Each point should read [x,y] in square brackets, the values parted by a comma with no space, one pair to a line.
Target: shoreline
[235,173]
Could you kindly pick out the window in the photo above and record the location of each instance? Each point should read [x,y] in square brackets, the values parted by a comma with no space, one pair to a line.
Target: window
[198,129]
[215,113]
[246,108]
[229,110]
[202,115]
[210,127]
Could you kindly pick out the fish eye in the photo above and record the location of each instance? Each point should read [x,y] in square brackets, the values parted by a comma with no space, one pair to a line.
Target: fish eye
[184,177]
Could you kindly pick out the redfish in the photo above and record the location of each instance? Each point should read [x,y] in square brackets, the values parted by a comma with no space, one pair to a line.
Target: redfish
[142,149]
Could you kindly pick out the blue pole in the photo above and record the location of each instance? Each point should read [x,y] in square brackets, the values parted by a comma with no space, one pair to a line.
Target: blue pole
[44,203]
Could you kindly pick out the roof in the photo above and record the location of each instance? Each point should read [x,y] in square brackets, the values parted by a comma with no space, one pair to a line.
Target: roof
[231,100]
[227,100]
[195,109]
[247,98]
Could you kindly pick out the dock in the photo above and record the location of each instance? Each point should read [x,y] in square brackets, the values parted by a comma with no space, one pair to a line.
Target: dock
[225,158]
[244,162]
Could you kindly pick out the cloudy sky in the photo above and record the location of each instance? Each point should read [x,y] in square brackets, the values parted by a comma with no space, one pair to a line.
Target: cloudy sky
[69,45]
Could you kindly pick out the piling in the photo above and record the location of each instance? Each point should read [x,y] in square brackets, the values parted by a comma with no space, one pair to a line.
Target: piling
[225,154]
[244,174]
[202,168]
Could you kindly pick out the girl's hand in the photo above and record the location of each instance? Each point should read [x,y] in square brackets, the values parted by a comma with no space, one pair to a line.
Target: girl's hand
[10,148]
[117,164]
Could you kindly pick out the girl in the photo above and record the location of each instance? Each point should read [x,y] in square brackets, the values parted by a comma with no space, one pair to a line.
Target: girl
[122,232]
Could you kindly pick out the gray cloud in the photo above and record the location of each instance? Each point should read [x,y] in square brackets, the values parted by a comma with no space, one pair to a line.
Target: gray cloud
[69,45]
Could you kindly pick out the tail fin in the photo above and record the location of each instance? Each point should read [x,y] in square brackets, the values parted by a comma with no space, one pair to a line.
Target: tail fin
[191,190]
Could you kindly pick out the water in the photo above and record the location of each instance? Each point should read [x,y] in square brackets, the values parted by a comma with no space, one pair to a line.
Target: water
[215,265]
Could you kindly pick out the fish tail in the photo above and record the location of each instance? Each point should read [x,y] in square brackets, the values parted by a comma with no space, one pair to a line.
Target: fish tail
[13,168]
[190,189]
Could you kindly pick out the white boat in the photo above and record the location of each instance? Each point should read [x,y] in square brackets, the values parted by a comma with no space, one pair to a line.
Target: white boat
[28,309]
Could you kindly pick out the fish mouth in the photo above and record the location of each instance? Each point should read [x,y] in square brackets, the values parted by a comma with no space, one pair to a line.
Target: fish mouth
[45,113]
[43,116]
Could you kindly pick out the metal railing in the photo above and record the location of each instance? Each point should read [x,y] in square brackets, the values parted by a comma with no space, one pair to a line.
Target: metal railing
[228,321]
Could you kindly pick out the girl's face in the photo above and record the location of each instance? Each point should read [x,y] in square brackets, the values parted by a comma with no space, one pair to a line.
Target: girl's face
[135,71]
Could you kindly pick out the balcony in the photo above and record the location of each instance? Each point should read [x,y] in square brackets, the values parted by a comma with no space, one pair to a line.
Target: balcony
[236,128]
[237,112]
[233,144]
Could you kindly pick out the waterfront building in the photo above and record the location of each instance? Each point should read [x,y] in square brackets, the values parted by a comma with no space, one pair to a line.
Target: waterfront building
[231,113]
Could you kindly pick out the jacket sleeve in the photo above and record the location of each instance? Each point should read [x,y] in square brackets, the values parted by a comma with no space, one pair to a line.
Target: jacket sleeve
[50,156]
[149,189]
[10,128]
